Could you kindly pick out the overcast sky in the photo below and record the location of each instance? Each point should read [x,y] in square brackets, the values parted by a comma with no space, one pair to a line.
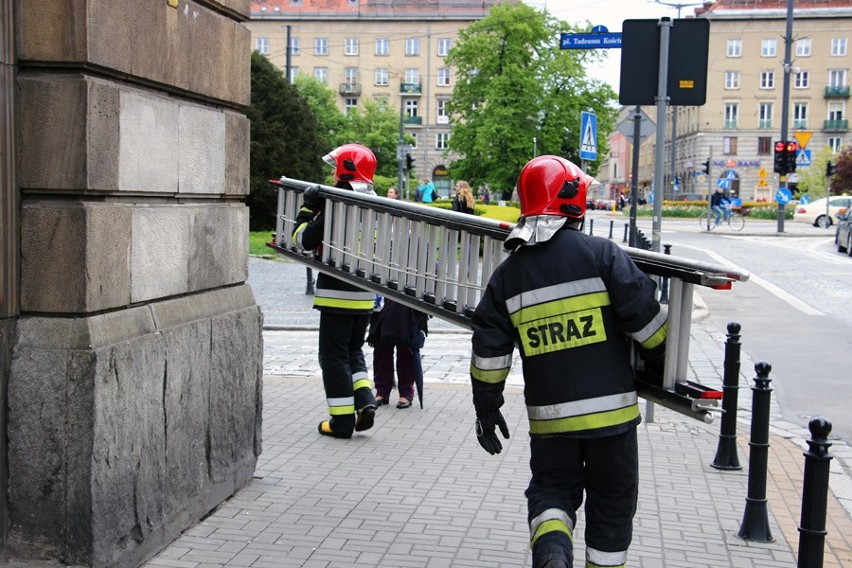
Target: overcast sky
[611,13]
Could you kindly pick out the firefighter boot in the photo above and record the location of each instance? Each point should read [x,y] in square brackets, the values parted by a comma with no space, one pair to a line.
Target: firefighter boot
[365,418]
[338,426]
[553,550]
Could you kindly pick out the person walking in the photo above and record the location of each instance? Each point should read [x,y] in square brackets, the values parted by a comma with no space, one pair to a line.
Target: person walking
[428,193]
[572,303]
[344,309]
[463,201]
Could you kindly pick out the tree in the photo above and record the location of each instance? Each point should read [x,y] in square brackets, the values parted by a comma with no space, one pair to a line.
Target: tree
[519,95]
[333,127]
[284,140]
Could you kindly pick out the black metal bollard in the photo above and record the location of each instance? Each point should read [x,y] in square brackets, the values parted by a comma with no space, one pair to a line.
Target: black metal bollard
[814,495]
[726,453]
[611,223]
[755,524]
[591,227]
[309,289]
[626,228]
[664,281]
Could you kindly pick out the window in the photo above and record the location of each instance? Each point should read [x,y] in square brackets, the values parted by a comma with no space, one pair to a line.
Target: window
[729,145]
[412,76]
[835,111]
[349,104]
[837,77]
[320,46]
[731,115]
[350,75]
[800,80]
[321,74]
[444,77]
[351,46]
[800,116]
[803,47]
[443,114]
[764,115]
[768,47]
[381,77]
[732,79]
[382,46]
[764,145]
[838,46]
[412,46]
[442,140]
[444,45]
[735,48]
[295,46]
[835,144]
[261,44]
[767,80]
[411,107]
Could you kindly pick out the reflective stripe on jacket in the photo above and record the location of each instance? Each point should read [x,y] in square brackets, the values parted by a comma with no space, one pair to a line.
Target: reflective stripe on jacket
[569,305]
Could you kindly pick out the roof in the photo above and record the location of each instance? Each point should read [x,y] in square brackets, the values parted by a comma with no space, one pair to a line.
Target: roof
[749,9]
[371,9]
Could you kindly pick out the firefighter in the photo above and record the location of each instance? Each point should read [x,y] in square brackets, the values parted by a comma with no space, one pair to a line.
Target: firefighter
[572,303]
[344,309]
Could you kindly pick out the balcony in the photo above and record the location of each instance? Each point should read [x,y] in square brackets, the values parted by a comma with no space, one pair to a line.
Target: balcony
[837,92]
[800,125]
[411,88]
[350,89]
[412,120]
[764,124]
[836,125]
[730,124]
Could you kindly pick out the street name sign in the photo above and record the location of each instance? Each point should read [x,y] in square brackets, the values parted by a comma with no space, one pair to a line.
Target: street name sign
[591,41]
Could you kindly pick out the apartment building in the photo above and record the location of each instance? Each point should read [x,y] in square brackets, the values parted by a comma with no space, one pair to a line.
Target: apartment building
[391,50]
[742,116]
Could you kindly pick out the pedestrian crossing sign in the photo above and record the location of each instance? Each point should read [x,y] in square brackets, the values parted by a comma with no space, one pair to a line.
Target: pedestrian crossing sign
[803,158]
[588,136]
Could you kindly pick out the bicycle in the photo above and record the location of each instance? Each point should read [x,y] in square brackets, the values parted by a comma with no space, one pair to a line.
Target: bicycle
[736,220]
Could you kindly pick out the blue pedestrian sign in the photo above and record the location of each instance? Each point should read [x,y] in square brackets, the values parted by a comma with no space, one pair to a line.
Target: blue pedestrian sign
[803,157]
[783,196]
[724,183]
[588,136]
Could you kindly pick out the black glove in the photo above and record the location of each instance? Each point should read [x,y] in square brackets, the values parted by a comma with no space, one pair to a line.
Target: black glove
[485,435]
[311,198]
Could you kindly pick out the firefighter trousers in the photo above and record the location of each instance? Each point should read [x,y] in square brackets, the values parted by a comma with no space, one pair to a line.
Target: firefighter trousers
[607,469]
[344,369]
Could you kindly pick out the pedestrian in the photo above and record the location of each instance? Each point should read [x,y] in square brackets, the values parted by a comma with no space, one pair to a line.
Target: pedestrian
[463,201]
[570,302]
[718,203]
[397,328]
[428,193]
[344,309]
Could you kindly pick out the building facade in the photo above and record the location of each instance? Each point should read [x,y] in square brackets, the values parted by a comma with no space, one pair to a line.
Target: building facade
[742,117]
[375,49]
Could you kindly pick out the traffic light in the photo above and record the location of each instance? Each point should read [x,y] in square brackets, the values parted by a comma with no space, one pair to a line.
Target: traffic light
[791,152]
[830,169]
[409,162]
[705,166]
[781,157]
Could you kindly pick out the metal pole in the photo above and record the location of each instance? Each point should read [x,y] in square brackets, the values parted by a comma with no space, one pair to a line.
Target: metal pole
[659,155]
[634,182]
[755,524]
[815,495]
[785,103]
[399,156]
[709,187]
[288,62]
[726,452]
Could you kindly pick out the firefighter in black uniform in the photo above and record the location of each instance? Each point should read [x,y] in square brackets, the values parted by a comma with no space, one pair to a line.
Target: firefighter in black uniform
[572,303]
[344,309]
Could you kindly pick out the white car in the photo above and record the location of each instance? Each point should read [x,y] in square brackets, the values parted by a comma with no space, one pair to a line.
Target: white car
[815,214]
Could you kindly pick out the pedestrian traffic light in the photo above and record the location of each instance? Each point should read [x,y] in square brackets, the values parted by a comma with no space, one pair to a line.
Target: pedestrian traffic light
[409,162]
[830,169]
[705,166]
[781,157]
[791,151]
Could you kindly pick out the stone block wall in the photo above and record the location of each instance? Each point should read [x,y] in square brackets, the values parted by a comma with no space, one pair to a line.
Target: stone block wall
[134,386]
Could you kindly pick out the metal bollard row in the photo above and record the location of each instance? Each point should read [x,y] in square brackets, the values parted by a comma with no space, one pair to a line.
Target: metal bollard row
[755,525]
[726,452]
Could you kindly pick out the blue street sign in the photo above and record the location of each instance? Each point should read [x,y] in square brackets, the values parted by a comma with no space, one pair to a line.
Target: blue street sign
[783,196]
[591,41]
[805,199]
[724,183]
[803,157]
[588,136]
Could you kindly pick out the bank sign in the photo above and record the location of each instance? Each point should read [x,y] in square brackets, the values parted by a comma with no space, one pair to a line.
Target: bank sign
[591,41]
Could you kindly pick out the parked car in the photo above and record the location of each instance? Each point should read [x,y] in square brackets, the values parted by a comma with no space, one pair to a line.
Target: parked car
[814,212]
[843,237]
[692,197]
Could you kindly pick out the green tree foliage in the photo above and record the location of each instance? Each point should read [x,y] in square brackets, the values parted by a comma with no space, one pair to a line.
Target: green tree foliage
[284,140]
[841,183]
[516,85]
[332,125]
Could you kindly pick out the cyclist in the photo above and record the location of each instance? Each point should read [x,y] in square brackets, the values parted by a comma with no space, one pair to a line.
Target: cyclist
[720,205]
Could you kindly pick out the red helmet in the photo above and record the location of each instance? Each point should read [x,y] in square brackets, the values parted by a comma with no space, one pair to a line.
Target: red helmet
[353,163]
[551,185]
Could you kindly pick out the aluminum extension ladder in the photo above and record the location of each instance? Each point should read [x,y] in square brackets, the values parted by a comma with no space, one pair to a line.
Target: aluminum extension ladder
[439,262]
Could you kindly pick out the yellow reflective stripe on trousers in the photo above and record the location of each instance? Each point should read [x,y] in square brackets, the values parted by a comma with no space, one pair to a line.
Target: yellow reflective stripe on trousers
[344,299]
[560,306]
[600,559]
[490,369]
[360,380]
[587,422]
[341,406]
[550,520]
